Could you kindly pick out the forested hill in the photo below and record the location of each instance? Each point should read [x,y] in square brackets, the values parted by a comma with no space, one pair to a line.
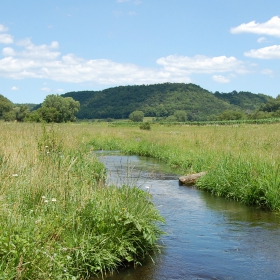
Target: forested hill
[161,100]
[244,99]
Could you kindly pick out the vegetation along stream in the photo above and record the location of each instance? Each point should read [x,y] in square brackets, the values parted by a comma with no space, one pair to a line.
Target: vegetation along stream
[207,237]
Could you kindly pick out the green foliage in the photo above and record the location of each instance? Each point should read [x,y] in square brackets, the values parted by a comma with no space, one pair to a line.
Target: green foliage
[21,112]
[18,113]
[57,218]
[271,106]
[58,109]
[244,99]
[171,119]
[162,100]
[145,126]
[232,115]
[136,116]
[240,159]
[49,114]
[180,115]
[5,106]
[55,109]
[49,141]
[34,116]
[9,116]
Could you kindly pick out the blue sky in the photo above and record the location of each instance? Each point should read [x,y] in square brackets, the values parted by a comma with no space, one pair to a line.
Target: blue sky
[53,47]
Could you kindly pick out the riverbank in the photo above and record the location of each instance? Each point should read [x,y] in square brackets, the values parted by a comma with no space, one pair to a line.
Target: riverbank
[241,161]
[51,190]
[57,219]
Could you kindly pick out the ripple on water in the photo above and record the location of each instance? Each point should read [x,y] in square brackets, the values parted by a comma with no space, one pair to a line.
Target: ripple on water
[207,237]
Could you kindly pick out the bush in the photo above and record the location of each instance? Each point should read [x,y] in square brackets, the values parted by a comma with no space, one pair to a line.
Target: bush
[136,116]
[145,126]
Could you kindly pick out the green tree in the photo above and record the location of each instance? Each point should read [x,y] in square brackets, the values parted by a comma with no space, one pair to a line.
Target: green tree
[5,105]
[34,116]
[21,112]
[171,119]
[161,111]
[136,116]
[180,115]
[272,105]
[56,108]
[9,116]
[49,114]
[232,115]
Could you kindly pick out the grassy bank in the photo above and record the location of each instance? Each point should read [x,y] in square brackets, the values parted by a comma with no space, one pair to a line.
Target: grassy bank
[57,220]
[242,161]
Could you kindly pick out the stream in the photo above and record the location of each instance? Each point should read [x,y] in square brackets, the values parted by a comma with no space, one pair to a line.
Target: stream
[207,237]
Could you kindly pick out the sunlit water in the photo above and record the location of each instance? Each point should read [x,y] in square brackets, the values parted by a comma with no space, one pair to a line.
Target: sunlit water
[207,237]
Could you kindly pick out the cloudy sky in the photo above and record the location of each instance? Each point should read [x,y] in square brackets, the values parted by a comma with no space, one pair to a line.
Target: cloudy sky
[49,47]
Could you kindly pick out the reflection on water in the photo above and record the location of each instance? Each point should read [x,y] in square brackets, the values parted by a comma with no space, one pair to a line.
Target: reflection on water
[208,237]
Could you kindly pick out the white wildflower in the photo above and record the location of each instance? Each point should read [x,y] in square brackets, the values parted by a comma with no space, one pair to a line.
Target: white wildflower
[53,199]
[14,175]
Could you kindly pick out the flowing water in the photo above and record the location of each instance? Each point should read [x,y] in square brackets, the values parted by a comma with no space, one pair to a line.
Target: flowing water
[207,237]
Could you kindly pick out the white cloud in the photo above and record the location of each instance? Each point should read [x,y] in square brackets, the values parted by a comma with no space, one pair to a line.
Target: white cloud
[271,27]
[40,52]
[220,79]
[3,28]
[271,52]
[60,90]
[202,64]
[6,39]
[45,62]
[122,1]
[15,88]
[45,89]
[268,72]
[262,40]
[8,51]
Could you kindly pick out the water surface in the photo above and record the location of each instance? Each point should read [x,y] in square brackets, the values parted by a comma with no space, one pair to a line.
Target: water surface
[207,237]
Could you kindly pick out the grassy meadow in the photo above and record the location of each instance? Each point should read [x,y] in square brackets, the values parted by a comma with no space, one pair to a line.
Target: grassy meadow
[59,221]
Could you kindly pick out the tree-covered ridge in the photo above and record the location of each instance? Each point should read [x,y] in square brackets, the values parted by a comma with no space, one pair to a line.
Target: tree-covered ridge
[244,99]
[162,100]
[169,102]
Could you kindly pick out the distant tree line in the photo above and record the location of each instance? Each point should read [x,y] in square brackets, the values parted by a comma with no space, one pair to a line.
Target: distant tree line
[163,101]
[171,102]
[55,108]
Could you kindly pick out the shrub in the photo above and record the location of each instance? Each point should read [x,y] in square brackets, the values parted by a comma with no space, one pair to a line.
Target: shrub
[145,126]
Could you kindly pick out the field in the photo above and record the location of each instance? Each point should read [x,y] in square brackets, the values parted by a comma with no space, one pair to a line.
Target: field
[59,221]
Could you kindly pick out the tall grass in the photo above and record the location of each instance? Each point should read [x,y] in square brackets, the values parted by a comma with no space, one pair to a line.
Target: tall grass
[242,161]
[57,219]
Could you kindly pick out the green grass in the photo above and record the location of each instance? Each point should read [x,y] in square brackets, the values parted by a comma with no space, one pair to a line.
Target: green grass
[59,221]
[57,218]
[242,161]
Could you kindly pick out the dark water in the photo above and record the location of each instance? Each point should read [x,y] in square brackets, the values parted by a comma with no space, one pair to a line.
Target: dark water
[208,237]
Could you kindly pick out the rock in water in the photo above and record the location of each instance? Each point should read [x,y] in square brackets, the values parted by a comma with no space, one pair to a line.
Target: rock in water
[190,179]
